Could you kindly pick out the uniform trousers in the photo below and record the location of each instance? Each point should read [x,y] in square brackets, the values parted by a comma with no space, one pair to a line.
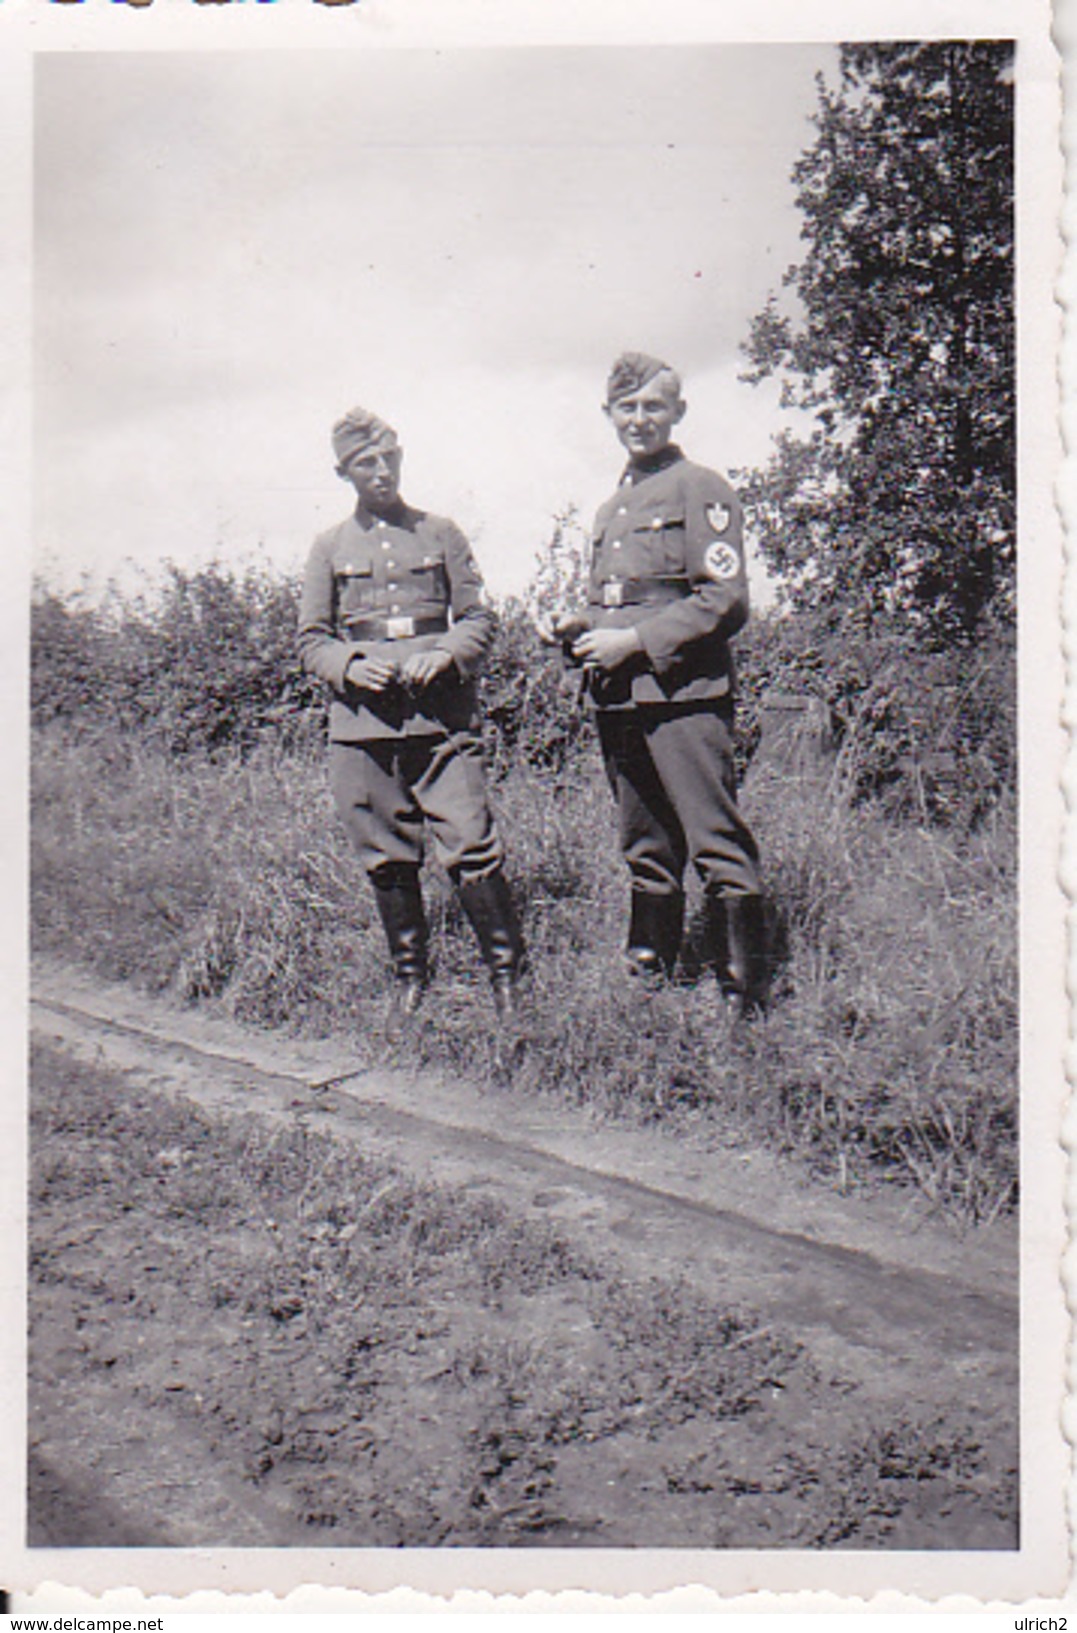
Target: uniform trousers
[388,790]
[672,775]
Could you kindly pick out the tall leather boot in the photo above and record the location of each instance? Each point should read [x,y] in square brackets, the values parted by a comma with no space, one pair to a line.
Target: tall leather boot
[654,934]
[487,901]
[400,906]
[738,946]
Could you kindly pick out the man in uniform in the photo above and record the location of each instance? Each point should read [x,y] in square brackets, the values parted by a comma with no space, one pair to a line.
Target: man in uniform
[392,617]
[667,592]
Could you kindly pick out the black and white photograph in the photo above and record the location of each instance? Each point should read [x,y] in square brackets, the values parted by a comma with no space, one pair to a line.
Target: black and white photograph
[546,980]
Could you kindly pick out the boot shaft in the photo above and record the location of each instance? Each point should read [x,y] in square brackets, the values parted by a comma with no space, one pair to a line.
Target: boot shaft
[737,936]
[400,907]
[488,904]
[654,932]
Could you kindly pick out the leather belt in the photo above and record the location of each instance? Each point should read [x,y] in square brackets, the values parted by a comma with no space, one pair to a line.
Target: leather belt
[393,629]
[643,592]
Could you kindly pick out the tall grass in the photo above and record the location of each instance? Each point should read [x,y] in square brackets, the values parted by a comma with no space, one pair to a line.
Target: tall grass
[890,1049]
[896,1038]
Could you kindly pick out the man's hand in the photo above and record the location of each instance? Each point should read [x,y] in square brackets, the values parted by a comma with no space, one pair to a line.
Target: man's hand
[606,648]
[560,629]
[370,674]
[423,667]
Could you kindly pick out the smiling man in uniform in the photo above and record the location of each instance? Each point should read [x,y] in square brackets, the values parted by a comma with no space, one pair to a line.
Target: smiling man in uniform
[393,618]
[667,592]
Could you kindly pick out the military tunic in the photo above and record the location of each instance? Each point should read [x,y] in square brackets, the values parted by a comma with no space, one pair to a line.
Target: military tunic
[388,586]
[668,561]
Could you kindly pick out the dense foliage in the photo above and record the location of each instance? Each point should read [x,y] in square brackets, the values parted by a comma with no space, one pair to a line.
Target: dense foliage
[929,734]
[207,664]
[898,506]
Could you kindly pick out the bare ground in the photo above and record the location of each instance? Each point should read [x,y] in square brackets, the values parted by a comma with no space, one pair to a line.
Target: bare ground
[403,1312]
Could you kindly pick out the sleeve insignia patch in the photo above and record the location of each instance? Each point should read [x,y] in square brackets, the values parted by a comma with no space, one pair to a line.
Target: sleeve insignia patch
[719,517]
[720,561]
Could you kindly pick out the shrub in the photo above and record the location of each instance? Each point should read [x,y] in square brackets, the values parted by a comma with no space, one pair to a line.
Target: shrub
[207,664]
[71,672]
[531,700]
[929,733]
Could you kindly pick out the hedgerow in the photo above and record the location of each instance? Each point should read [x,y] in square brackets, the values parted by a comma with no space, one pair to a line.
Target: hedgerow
[208,665]
[205,664]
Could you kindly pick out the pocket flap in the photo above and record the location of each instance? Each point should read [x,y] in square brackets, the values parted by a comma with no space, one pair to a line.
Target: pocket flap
[660,521]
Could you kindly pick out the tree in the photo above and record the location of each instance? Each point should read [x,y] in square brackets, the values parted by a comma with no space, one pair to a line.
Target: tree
[898,507]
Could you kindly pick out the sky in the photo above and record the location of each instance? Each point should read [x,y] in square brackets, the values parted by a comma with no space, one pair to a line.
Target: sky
[231,249]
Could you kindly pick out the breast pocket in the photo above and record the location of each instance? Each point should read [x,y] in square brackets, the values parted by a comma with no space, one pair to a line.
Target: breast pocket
[430,579]
[674,555]
[355,587]
[658,541]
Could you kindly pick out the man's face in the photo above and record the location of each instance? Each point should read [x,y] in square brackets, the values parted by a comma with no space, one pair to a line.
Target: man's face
[644,419]
[374,473]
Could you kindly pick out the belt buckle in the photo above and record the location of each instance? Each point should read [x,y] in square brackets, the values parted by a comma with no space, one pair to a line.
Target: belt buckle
[398,629]
[613,593]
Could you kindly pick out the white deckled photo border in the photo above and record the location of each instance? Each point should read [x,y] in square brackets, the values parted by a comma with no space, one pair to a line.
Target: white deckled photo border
[780,1579]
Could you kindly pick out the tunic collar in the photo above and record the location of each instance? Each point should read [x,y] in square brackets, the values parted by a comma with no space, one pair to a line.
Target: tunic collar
[394,514]
[637,469]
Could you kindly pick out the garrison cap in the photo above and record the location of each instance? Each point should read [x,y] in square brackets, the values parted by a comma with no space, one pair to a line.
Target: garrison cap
[634,369]
[359,429]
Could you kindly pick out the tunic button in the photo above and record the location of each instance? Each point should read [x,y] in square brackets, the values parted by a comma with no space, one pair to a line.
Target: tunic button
[394,608]
[392,586]
[623,511]
[616,544]
[381,521]
[386,545]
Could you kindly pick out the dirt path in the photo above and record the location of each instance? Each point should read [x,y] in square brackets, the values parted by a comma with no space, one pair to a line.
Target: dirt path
[895,1310]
